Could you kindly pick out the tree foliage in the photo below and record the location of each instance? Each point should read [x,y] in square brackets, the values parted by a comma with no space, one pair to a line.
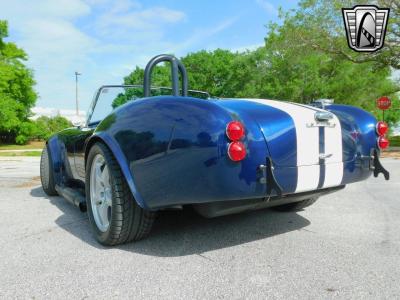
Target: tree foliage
[17,96]
[44,127]
[305,58]
[323,29]
[316,31]
[282,70]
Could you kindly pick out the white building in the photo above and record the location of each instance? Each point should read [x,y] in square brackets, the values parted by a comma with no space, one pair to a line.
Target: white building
[69,114]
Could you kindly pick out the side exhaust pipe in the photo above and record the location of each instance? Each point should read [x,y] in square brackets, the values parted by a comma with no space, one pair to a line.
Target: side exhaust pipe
[222,208]
[73,196]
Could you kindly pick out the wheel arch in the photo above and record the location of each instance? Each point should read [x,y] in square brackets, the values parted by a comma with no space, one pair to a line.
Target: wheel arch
[56,158]
[107,140]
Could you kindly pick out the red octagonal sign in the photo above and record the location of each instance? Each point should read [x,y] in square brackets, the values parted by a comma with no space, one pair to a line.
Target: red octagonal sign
[383,103]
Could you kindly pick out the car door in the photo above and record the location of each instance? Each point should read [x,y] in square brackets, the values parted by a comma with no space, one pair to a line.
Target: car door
[79,150]
[68,138]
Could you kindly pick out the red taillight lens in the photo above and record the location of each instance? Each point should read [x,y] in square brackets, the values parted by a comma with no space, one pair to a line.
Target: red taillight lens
[382,128]
[383,142]
[235,130]
[236,151]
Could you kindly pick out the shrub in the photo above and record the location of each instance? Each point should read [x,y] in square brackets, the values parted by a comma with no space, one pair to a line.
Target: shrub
[394,141]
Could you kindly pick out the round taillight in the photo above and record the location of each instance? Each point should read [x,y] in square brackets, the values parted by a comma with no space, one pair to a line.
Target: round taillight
[236,151]
[381,128]
[235,130]
[383,142]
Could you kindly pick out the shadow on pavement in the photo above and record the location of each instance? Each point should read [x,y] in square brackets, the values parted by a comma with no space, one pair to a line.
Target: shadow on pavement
[180,233]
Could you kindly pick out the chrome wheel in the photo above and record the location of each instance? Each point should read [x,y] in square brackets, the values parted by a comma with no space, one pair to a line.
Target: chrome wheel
[100,193]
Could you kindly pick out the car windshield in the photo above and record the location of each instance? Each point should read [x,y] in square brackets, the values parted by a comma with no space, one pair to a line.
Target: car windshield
[111,97]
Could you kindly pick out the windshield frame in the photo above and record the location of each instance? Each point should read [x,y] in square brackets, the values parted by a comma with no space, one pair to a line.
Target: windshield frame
[98,92]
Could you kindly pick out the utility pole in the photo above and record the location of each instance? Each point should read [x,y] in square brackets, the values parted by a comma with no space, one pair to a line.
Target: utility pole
[76,92]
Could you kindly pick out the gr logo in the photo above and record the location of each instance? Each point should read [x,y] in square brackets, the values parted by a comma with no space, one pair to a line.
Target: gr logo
[365,27]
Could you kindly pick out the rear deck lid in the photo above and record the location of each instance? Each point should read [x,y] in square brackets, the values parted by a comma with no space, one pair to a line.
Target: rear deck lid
[306,139]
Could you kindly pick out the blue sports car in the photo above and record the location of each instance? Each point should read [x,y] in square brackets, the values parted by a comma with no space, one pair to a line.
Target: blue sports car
[138,154]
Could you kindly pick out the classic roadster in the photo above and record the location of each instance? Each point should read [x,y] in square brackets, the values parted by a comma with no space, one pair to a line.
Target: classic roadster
[139,153]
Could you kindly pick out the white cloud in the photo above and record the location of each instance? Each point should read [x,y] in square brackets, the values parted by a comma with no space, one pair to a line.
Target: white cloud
[199,36]
[247,47]
[69,114]
[114,5]
[268,7]
[60,37]
[102,39]
[22,10]
[121,18]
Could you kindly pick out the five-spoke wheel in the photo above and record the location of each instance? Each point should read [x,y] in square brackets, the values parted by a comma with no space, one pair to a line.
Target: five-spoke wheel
[115,216]
[100,193]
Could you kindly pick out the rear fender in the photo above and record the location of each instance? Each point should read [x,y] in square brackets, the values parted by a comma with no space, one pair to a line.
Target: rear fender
[115,148]
[358,125]
[359,140]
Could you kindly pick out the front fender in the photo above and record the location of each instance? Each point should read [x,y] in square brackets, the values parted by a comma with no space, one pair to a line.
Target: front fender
[57,156]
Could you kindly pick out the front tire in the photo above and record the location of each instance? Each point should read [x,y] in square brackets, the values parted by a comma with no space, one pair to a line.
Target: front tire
[113,213]
[47,174]
[296,206]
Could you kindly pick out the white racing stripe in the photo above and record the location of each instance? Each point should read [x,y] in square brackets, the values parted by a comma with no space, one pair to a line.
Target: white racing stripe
[333,146]
[307,143]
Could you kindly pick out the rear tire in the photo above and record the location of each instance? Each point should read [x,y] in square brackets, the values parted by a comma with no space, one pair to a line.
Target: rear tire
[124,221]
[296,206]
[47,173]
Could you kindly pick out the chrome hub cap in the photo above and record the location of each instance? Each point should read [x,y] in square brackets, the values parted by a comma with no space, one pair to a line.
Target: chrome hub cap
[100,193]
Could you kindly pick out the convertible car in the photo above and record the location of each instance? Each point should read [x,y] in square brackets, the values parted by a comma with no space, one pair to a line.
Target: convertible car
[138,154]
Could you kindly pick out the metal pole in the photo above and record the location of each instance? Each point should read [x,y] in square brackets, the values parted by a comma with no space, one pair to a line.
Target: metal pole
[76,92]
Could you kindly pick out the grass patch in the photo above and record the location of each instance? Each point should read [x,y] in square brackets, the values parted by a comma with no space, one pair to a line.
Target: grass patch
[30,145]
[21,153]
[394,141]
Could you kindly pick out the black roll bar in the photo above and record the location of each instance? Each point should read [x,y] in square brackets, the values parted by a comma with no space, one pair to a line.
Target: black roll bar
[176,65]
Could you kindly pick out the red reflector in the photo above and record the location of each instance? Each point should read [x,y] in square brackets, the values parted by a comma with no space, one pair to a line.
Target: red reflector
[383,142]
[236,151]
[381,128]
[235,130]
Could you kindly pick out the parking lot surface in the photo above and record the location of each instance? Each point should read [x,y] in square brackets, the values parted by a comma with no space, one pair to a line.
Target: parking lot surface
[347,245]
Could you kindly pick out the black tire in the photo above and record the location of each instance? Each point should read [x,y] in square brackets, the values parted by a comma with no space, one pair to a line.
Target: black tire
[296,206]
[47,173]
[128,221]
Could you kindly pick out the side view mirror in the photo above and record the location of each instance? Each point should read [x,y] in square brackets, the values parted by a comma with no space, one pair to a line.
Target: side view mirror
[77,123]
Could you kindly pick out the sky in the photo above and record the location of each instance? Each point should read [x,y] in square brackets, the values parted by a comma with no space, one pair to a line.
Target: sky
[105,39]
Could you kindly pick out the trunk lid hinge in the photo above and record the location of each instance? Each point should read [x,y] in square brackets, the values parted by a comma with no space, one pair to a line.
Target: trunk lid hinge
[268,178]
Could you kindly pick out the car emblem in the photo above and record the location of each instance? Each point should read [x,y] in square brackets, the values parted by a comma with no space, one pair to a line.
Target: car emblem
[365,27]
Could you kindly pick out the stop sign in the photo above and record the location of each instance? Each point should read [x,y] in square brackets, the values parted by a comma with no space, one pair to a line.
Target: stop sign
[383,103]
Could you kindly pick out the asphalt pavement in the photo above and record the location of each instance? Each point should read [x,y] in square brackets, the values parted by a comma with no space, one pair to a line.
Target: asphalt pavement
[347,245]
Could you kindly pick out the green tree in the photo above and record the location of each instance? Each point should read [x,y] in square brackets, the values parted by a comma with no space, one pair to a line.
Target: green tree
[309,51]
[26,130]
[44,127]
[305,58]
[323,29]
[17,96]
[160,77]
[212,71]
[209,71]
